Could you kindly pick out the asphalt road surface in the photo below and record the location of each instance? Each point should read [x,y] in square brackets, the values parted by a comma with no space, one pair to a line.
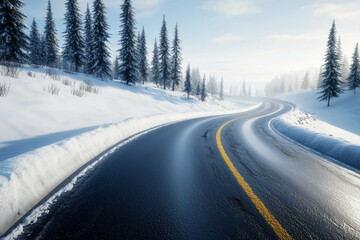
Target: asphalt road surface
[228,177]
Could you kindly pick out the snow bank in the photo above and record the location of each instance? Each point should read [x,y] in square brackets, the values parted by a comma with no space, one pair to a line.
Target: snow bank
[28,178]
[320,136]
[343,113]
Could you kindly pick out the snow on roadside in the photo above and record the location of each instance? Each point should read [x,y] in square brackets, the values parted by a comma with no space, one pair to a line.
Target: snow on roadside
[320,136]
[343,113]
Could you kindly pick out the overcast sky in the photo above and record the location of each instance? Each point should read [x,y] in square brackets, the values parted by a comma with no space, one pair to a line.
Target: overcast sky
[251,40]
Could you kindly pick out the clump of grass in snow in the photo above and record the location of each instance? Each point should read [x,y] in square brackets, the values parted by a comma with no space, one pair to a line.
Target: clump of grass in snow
[52,89]
[9,71]
[4,89]
[89,87]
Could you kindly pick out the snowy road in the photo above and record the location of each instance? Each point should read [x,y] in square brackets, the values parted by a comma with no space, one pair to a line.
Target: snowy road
[226,177]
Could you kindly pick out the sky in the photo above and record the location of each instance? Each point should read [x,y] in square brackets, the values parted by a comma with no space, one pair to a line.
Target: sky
[251,40]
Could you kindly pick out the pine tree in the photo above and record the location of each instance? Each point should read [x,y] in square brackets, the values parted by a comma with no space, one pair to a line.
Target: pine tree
[128,70]
[43,48]
[155,71]
[244,89]
[354,76]
[35,44]
[195,78]
[222,89]
[306,82]
[331,73]
[342,62]
[164,55]
[187,84]
[116,67]
[88,29]
[198,90]
[203,90]
[138,42]
[339,50]
[100,53]
[212,85]
[143,62]
[73,53]
[13,40]
[345,71]
[176,60]
[51,43]
[319,81]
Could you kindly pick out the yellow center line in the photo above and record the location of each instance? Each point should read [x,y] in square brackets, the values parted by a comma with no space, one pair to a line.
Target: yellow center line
[270,219]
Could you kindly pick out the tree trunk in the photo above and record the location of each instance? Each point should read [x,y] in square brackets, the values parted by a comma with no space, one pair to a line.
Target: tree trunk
[328,104]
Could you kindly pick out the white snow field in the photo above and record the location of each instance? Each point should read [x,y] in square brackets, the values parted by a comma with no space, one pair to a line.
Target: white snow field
[50,127]
[333,131]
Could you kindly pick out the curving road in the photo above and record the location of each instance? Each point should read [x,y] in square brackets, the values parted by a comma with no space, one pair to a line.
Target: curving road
[177,182]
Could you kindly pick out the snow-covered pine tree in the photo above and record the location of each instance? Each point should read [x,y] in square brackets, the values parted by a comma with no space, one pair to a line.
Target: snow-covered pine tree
[100,51]
[164,55]
[128,70]
[88,30]
[35,45]
[73,53]
[339,50]
[203,89]
[306,82]
[342,62]
[187,84]
[51,42]
[354,76]
[176,60]
[331,76]
[345,71]
[13,40]
[221,96]
[143,61]
[155,70]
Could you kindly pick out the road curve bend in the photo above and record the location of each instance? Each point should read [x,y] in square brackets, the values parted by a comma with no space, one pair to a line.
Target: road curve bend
[226,177]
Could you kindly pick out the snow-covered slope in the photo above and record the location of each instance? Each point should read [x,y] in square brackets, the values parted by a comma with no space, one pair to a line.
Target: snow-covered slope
[47,137]
[334,131]
[30,117]
[344,111]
